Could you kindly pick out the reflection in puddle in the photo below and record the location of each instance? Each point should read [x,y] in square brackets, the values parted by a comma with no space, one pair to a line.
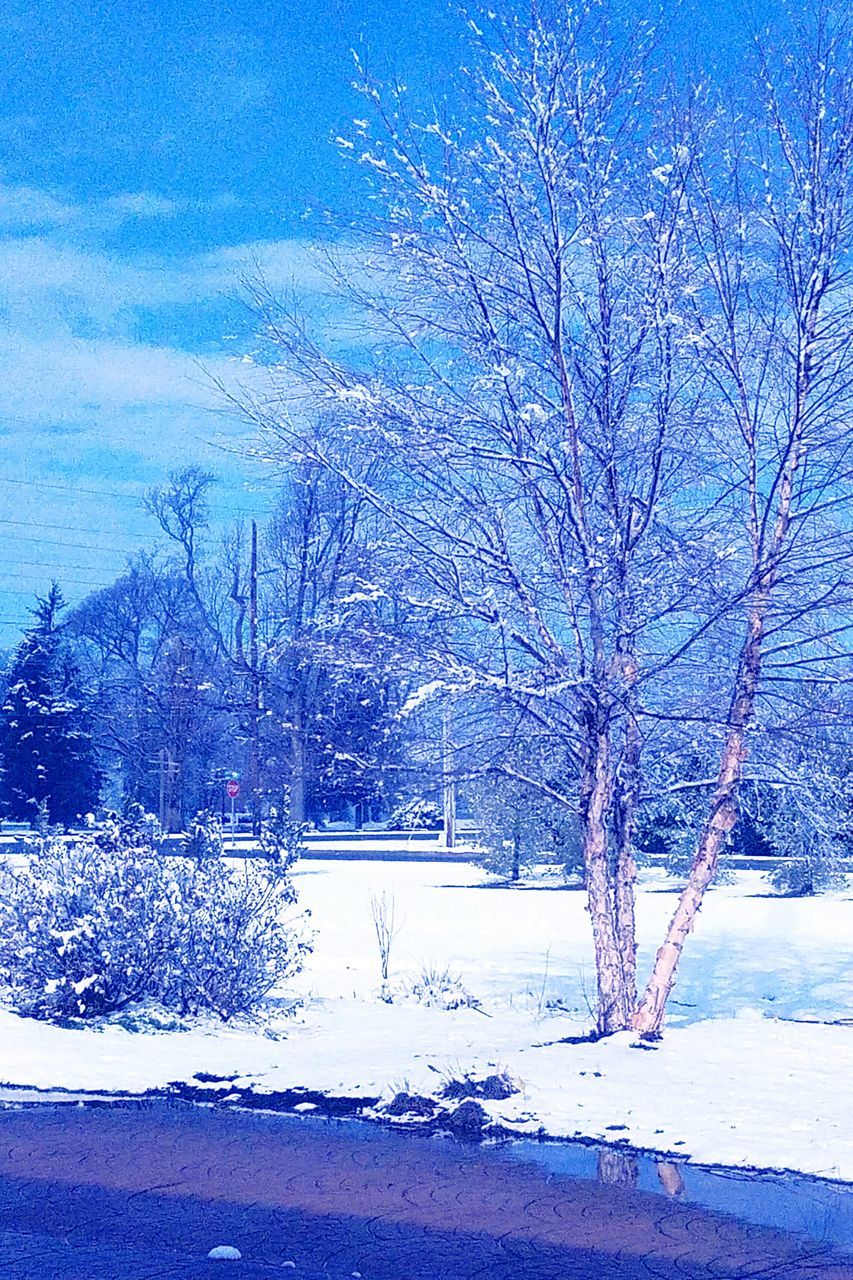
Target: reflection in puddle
[820,1210]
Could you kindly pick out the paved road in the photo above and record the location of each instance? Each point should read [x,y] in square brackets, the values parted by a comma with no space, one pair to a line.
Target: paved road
[143,1194]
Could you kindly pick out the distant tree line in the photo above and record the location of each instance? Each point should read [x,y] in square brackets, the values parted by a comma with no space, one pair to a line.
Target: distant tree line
[260,657]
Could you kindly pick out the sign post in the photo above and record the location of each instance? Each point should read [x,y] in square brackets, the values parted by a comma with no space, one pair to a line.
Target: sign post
[232,790]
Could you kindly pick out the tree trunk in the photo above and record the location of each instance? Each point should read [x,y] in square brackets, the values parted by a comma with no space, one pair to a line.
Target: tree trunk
[448,786]
[625,800]
[721,818]
[614,1003]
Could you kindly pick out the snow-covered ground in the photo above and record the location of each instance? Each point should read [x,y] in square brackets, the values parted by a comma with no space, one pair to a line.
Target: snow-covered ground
[750,1071]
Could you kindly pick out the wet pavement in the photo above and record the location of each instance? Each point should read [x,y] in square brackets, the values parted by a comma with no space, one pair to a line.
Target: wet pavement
[133,1192]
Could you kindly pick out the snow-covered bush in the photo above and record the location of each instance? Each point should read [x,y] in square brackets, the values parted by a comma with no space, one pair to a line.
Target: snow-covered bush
[94,924]
[204,836]
[84,929]
[232,943]
[440,989]
[135,828]
[416,814]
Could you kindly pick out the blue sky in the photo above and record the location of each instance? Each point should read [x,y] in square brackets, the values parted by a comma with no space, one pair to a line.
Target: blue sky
[148,149]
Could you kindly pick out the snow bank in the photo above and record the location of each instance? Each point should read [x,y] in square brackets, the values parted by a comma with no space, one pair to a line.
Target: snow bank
[731,1083]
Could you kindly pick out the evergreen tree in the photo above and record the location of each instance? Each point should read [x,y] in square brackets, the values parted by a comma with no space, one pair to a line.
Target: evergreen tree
[45,736]
[350,739]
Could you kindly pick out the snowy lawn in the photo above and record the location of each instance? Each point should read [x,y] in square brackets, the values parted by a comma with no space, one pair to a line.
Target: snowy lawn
[748,1072]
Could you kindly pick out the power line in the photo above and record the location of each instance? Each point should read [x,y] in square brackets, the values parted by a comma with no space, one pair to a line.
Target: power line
[49,542]
[102,493]
[68,582]
[65,488]
[64,528]
[55,564]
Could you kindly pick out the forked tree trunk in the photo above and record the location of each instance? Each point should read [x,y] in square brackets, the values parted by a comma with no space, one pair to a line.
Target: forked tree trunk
[721,818]
[722,815]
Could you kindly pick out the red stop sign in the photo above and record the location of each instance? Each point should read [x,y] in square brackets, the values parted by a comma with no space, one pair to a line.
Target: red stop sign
[232,789]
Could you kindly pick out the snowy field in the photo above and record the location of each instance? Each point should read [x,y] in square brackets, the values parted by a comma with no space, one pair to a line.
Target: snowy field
[750,1071]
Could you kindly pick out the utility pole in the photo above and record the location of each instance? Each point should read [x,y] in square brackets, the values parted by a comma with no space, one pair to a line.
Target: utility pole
[163,789]
[255,691]
[448,765]
[169,772]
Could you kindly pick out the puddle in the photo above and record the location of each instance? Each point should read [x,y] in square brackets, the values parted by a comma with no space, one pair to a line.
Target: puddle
[820,1210]
[143,1190]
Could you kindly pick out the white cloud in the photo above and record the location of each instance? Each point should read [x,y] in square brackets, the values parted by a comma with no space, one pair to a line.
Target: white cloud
[49,285]
[73,380]
[30,207]
[143,204]
[47,282]
[80,387]
[90,412]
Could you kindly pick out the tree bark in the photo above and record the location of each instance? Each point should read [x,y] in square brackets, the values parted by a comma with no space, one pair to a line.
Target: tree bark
[625,800]
[625,871]
[721,818]
[614,1004]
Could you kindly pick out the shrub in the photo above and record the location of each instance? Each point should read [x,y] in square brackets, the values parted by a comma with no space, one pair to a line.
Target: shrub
[416,814]
[440,989]
[520,826]
[204,837]
[92,925]
[233,945]
[383,911]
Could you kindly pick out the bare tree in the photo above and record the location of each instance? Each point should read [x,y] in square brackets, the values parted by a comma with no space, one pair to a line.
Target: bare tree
[320,562]
[607,375]
[530,407]
[773,320]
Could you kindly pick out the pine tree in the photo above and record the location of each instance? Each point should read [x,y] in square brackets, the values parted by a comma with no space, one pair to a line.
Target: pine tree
[45,735]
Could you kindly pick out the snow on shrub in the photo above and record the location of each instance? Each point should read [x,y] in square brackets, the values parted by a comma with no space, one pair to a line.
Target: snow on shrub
[416,814]
[233,946]
[93,924]
[440,989]
[204,837]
